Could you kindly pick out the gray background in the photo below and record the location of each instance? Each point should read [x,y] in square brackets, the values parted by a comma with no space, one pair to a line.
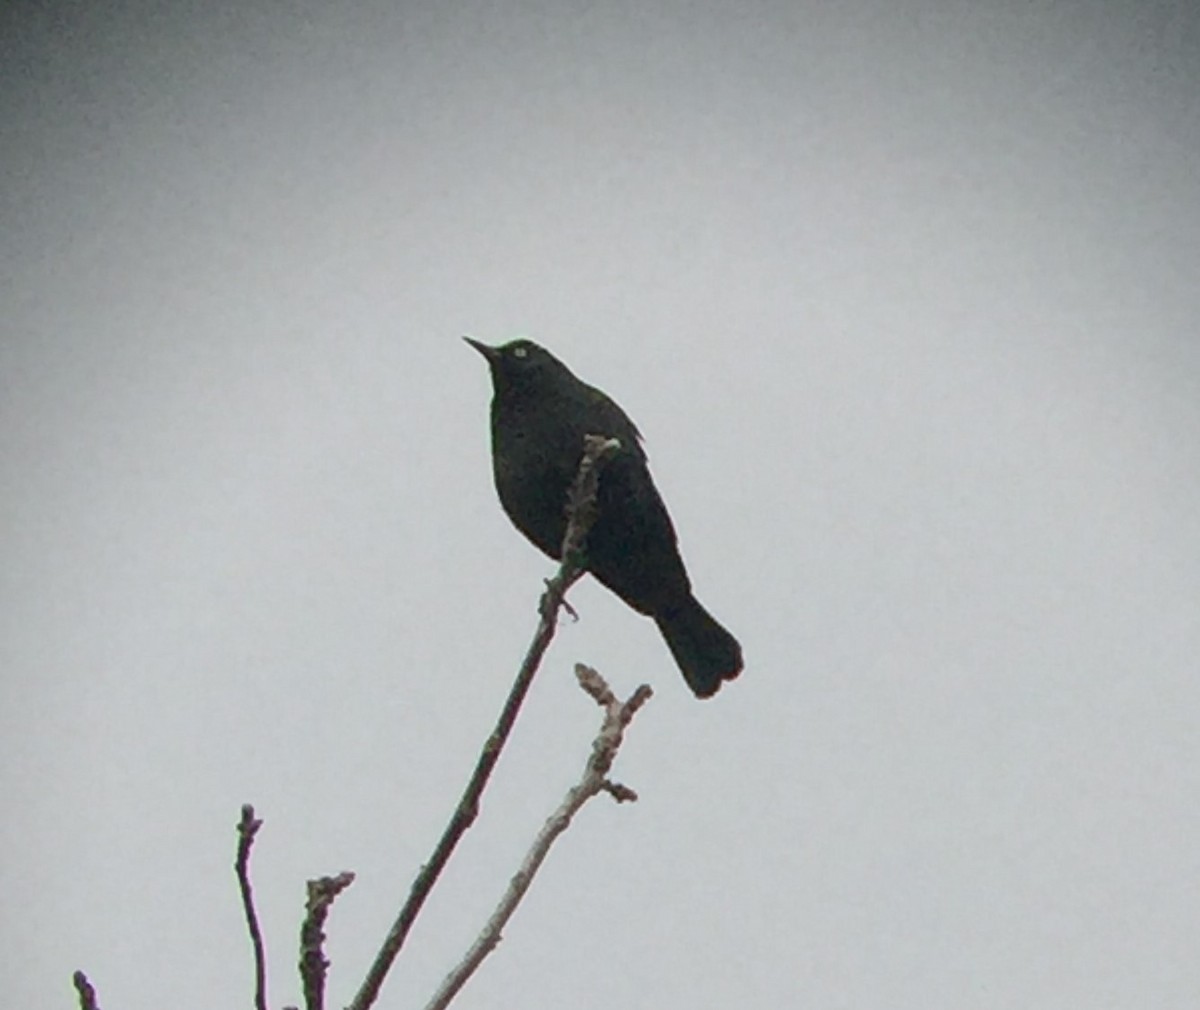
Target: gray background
[903,297]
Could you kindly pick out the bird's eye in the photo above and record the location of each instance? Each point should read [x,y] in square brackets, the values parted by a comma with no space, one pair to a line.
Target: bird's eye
[520,352]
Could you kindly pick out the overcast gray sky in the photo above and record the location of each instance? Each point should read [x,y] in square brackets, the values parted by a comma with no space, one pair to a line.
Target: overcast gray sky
[903,297]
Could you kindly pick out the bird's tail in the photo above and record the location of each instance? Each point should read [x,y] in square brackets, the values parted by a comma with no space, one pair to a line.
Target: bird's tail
[706,653]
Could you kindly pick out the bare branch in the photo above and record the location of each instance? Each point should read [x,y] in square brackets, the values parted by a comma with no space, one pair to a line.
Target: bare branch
[247,828]
[617,716]
[313,962]
[581,513]
[87,995]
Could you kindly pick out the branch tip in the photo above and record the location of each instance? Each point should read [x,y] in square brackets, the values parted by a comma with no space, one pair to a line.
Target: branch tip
[249,824]
[636,700]
[594,684]
[620,793]
[313,963]
[87,994]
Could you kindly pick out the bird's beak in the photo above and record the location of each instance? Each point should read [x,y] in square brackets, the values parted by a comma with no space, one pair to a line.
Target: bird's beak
[491,353]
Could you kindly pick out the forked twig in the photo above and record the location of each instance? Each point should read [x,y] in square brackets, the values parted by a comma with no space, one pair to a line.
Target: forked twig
[617,715]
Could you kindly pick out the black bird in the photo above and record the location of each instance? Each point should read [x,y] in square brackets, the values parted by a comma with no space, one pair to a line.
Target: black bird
[540,415]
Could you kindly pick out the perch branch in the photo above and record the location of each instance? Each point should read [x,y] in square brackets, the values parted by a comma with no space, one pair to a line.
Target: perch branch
[581,513]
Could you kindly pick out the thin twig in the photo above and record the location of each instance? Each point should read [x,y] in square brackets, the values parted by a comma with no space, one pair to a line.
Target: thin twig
[87,995]
[617,715]
[247,828]
[580,516]
[313,962]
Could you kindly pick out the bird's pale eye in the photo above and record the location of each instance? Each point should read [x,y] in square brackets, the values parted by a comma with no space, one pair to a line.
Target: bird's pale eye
[520,352]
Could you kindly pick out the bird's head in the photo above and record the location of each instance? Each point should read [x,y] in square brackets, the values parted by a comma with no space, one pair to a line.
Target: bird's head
[520,365]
